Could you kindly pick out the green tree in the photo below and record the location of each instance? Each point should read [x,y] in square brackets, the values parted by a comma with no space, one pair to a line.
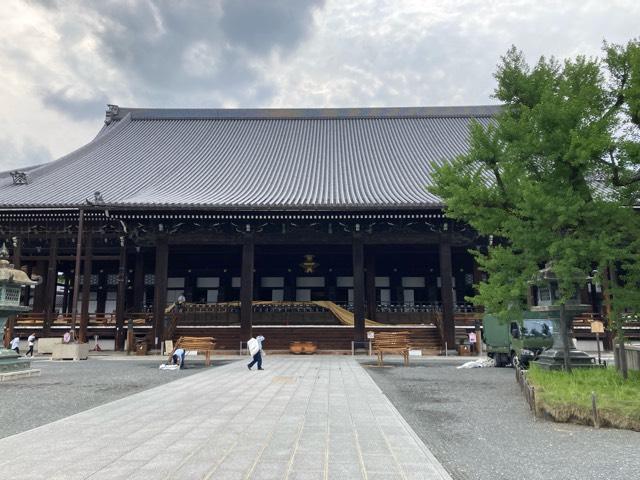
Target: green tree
[554,178]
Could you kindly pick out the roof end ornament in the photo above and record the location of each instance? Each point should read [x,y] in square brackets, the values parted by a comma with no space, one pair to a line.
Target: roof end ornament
[111,113]
[97,200]
[19,177]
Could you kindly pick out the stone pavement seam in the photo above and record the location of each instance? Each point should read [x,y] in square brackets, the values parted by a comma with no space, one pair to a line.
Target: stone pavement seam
[120,400]
[169,475]
[266,444]
[146,392]
[440,470]
[311,417]
[363,469]
[299,432]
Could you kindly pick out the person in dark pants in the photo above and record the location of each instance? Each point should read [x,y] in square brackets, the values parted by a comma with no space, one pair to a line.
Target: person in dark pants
[257,357]
[32,342]
[15,345]
[178,357]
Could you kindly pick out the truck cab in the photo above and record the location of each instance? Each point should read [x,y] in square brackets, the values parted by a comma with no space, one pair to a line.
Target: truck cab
[517,341]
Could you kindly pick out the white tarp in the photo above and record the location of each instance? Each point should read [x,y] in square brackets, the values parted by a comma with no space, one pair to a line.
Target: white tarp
[480,363]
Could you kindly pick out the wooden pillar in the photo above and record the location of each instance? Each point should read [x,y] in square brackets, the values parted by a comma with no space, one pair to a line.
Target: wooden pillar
[17,254]
[17,264]
[52,284]
[101,294]
[446,292]
[8,331]
[246,288]
[160,288]
[289,286]
[39,290]
[86,287]
[65,295]
[138,282]
[190,283]
[121,295]
[358,288]
[370,281]
[26,293]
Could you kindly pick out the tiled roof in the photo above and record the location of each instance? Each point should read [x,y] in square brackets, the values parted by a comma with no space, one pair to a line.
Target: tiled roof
[261,159]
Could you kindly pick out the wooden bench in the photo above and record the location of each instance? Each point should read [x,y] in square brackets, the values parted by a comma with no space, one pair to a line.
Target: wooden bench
[392,342]
[198,344]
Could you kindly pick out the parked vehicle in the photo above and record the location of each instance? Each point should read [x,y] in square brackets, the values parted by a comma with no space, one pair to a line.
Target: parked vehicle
[517,341]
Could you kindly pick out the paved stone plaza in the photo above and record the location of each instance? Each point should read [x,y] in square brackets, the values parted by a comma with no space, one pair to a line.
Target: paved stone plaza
[303,417]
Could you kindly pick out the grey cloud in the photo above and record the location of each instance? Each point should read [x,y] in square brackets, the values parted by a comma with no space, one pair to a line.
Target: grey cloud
[19,155]
[87,107]
[184,50]
[288,53]
[260,26]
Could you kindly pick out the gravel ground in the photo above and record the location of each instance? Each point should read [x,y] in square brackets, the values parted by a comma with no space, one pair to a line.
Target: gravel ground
[477,423]
[66,388]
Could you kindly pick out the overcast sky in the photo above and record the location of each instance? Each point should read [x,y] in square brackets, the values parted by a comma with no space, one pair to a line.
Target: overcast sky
[62,61]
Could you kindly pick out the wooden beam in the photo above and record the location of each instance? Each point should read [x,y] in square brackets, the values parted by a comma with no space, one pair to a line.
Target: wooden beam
[160,290]
[52,284]
[86,287]
[96,258]
[446,292]
[358,288]
[246,288]
[121,296]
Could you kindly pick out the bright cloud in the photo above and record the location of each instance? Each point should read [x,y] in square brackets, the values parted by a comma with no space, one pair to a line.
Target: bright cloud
[63,60]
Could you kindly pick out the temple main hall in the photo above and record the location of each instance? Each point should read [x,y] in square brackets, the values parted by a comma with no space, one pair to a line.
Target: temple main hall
[298,224]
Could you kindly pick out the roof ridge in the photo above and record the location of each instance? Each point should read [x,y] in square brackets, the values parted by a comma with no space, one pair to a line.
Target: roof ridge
[467,111]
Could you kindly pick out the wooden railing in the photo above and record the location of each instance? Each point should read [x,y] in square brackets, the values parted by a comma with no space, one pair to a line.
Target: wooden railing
[139,319]
[95,319]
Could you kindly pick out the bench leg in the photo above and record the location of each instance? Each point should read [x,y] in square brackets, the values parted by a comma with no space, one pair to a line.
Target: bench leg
[380,359]
[207,358]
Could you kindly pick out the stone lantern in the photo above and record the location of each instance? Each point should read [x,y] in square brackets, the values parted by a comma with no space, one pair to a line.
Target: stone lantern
[547,304]
[11,283]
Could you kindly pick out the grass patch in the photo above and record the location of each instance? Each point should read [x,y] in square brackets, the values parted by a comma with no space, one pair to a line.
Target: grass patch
[567,396]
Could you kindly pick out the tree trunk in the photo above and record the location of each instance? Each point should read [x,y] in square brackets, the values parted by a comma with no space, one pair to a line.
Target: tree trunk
[622,357]
[564,325]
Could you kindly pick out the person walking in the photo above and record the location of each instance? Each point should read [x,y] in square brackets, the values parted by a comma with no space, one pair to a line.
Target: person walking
[15,345]
[255,349]
[32,342]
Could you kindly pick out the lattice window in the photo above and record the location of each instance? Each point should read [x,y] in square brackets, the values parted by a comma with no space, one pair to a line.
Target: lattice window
[93,280]
[10,295]
[544,294]
[112,279]
[149,279]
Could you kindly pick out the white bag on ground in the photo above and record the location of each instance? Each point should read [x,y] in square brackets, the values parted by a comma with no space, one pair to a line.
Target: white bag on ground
[253,346]
[164,366]
[479,363]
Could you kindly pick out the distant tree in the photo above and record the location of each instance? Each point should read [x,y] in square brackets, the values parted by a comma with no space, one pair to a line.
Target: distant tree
[555,178]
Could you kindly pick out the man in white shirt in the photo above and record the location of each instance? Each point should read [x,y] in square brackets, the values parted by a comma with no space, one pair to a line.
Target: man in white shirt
[32,342]
[255,348]
[15,345]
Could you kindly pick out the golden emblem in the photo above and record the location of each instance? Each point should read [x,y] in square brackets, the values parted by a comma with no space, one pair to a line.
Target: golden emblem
[309,266]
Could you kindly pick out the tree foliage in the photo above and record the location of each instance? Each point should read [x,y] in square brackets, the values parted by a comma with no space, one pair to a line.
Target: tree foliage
[555,176]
